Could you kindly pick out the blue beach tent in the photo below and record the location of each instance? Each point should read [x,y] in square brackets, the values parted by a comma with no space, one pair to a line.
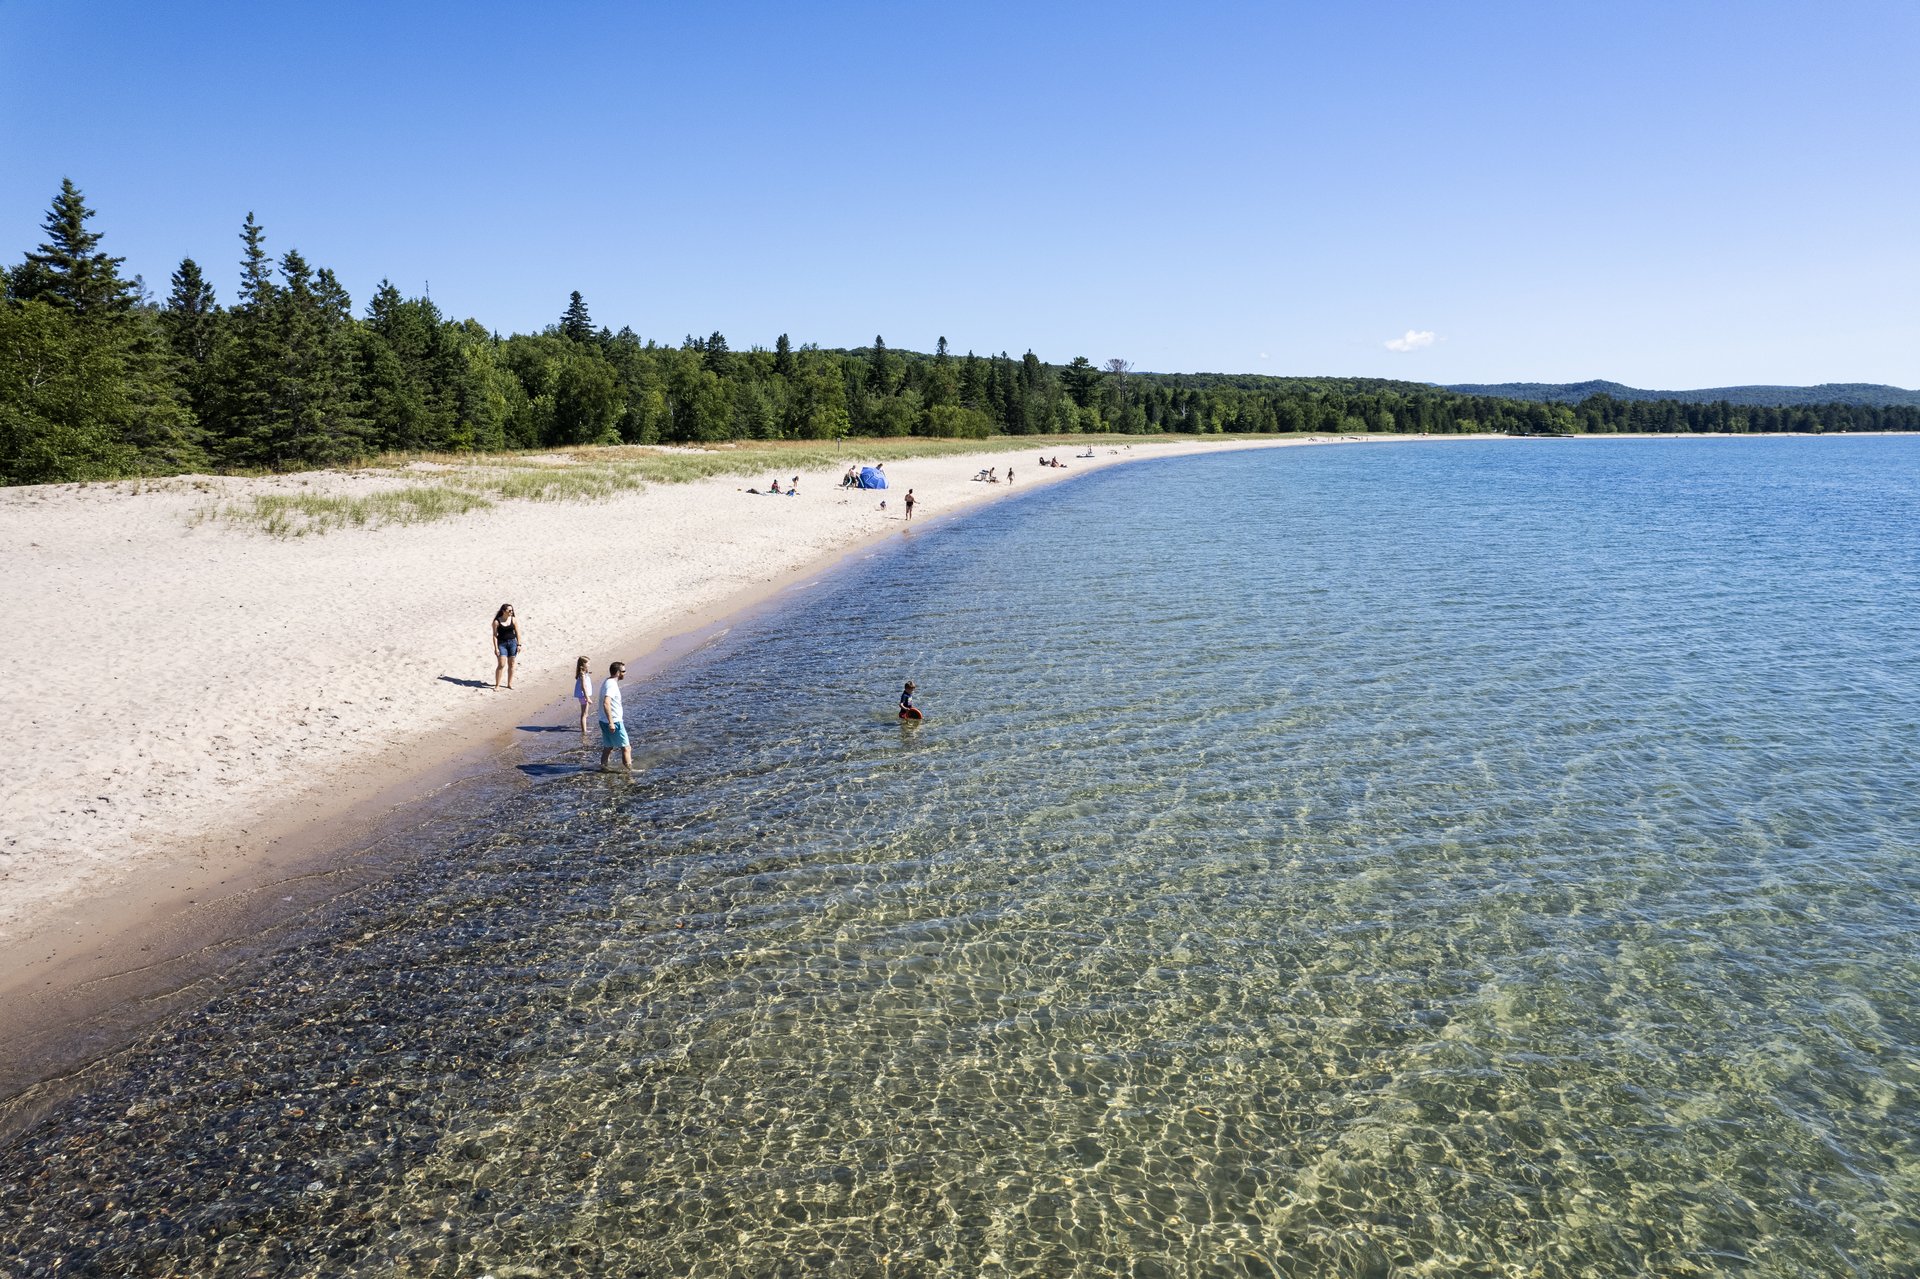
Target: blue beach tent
[871,479]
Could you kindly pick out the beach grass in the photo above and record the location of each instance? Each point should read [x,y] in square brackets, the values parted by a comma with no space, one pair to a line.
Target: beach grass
[436,486]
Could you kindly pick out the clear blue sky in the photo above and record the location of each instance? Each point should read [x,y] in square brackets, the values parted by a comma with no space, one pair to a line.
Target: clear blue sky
[1669,194]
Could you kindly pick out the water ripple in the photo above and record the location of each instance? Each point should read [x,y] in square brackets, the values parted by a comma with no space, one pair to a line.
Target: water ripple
[1465,860]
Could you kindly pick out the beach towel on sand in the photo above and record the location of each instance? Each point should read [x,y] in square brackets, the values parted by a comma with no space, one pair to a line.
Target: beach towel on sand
[871,479]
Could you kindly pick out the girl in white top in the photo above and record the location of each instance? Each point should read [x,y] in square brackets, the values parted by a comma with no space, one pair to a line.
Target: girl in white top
[582,690]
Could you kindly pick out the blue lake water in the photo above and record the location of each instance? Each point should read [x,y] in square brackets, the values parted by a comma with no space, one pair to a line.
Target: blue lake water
[1438,859]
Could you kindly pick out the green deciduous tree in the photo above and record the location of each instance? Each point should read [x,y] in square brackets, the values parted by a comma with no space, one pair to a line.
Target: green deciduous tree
[954,420]
[587,402]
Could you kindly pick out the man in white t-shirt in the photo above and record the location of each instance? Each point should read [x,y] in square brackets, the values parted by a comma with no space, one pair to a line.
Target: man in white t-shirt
[613,720]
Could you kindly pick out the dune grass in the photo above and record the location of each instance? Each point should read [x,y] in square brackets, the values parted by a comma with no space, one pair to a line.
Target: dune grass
[297,514]
[436,486]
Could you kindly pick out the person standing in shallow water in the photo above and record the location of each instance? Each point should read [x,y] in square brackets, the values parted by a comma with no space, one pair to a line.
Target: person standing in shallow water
[613,720]
[907,709]
[582,691]
[506,644]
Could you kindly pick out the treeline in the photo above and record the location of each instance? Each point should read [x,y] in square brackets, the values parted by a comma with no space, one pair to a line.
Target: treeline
[100,380]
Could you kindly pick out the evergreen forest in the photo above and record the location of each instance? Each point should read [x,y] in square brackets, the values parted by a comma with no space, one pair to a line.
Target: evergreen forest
[100,380]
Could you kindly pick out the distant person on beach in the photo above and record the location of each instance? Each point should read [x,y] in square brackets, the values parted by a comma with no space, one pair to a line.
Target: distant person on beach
[1009,475]
[851,480]
[908,503]
[613,720]
[907,709]
[793,489]
[506,644]
[582,690]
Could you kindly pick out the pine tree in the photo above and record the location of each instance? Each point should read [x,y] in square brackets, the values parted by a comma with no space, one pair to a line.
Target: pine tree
[575,323]
[783,357]
[248,360]
[1081,378]
[719,358]
[117,406]
[882,366]
[973,383]
[61,399]
[191,314]
[320,423]
[69,271]
[190,322]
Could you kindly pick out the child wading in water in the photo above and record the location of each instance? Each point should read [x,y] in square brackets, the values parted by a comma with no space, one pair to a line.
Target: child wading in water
[907,709]
[582,690]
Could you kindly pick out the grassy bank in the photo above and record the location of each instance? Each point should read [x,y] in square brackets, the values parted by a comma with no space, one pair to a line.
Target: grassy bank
[418,488]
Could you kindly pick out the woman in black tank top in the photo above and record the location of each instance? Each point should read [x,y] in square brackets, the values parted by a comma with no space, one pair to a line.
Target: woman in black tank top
[506,644]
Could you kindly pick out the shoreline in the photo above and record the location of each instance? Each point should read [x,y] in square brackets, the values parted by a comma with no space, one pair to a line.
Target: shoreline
[97,957]
[98,947]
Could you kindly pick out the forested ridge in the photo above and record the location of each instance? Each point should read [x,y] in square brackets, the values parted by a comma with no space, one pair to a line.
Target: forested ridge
[1861,393]
[99,379]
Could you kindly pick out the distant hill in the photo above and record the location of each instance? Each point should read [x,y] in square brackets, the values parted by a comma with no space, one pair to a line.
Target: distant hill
[1870,394]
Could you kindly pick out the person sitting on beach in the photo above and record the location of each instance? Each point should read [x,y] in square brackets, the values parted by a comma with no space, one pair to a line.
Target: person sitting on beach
[775,486]
[582,690]
[793,489]
[851,480]
[907,709]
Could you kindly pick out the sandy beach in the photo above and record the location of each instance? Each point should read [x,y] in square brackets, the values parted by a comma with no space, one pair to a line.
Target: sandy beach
[188,695]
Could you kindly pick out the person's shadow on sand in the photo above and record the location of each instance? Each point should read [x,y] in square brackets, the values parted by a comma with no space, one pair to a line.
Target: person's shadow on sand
[466,683]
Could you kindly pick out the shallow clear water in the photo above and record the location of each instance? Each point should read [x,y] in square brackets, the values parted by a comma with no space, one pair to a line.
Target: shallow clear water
[1453,859]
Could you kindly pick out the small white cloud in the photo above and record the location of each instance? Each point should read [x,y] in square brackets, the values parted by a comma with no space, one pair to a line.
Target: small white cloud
[1263,355]
[1413,341]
